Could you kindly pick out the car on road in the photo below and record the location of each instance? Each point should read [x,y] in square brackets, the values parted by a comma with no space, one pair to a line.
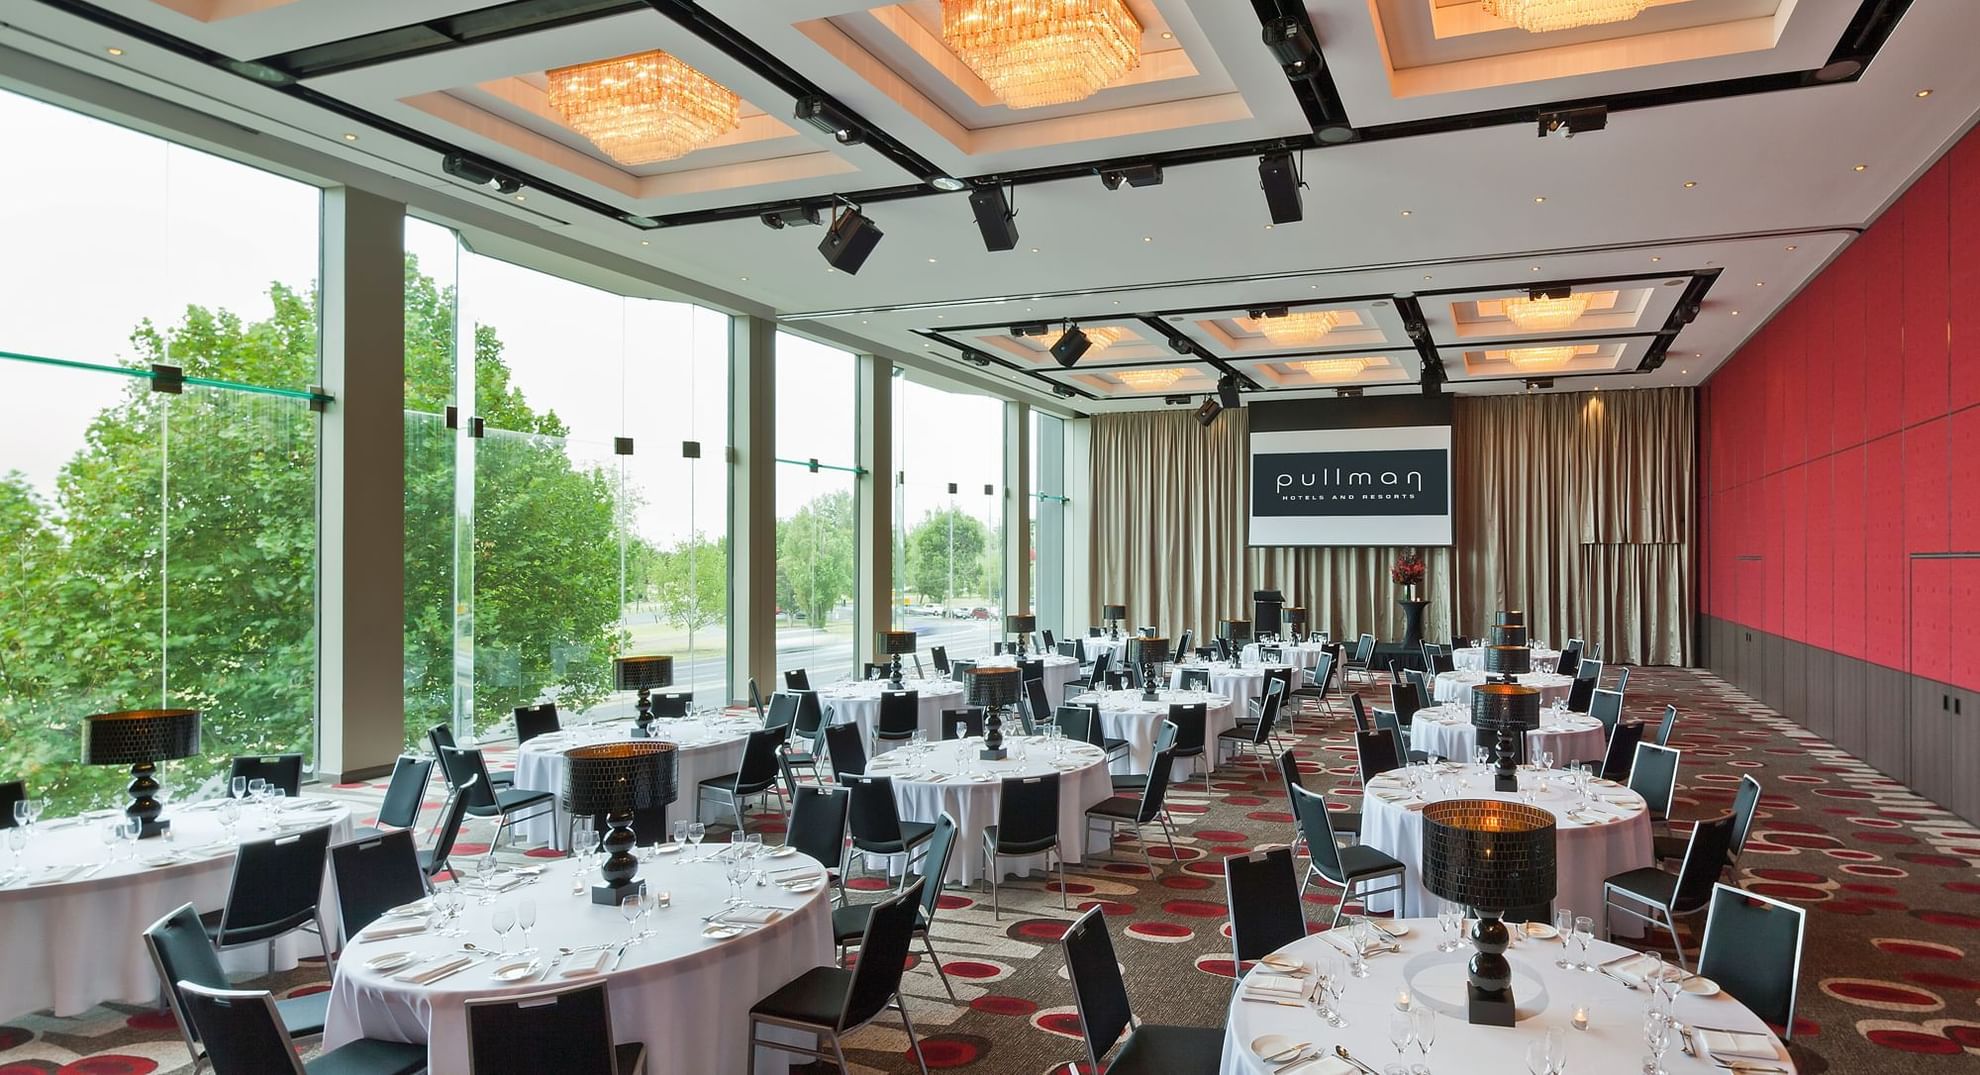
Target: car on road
[927,610]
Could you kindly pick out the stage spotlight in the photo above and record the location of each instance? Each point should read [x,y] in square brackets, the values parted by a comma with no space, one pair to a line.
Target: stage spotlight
[1207,414]
[1181,345]
[1227,392]
[796,216]
[1031,328]
[1538,294]
[821,114]
[1070,345]
[480,173]
[1279,178]
[1063,392]
[1134,175]
[994,218]
[1291,47]
[850,239]
[1570,122]
[1533,383]
[1347,393]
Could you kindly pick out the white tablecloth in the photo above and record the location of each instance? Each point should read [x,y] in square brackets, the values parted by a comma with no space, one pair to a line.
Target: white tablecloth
[1115,648]
[1125,714]
[1472,659]
[1059,671]
[1587,854]
[685,995]
[1545,996]
[74,944]
[849,703]
[1456,686]
[949,776]
[1305,656]
[1240,685]
[1446,731]
[710,746]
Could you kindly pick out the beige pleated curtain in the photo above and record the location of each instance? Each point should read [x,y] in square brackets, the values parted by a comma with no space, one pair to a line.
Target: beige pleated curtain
[1575,507]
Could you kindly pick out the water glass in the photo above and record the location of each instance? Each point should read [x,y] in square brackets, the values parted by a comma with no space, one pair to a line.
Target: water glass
[238,787]
[696,832]
[257,788]
[1584,935]
[680,834]
[502,920]
[1424,1020]
[1657,1038]
[526,918]
[1564,929]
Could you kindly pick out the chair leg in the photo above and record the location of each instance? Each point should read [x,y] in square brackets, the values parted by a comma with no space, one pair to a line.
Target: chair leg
[1339,906]
[935,962]
[1141,839]
[1169,835]
[912,1040]
[996,906]
[841,1054]
[1061,855]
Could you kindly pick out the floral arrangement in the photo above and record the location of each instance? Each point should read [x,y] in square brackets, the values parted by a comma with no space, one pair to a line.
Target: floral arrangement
[1408,570]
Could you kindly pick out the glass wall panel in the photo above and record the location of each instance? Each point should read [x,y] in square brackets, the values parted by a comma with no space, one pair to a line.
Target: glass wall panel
[948,518]
[817,493]
[1048,521]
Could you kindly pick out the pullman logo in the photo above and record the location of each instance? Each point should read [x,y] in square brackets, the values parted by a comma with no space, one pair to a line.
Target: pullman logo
[1411,481]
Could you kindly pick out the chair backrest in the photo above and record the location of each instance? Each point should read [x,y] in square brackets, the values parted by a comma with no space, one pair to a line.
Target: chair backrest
[876,817]
[847,749]
[1653,774]
[1570,658]
[11,792]
[1605,706]
[1377,752]
[1622,677]
[405,795]
[1161,767]
[874,671]
[883,953]
[756,700]
[1098,991]
[1183,643]
[1705,858]
[1100,666]
[1752,948]
[468,773]
[1075,721]
[797,679]
[1402,696]
[962,723]
[1361,721]
[783,710]
[1623,739]
[1390,723]
[1590,668]
[566,1029]
[1289,774]
[1746,803]
[1192,726]
[1046,637]
[1028,809]
[1268,711]
[810,715]
[1031,668]
[1195,679]
[673,705]
[1225,650]
[275,887]
[935,863]
[1419,684]
[940,654]
[1581,694]
[1038,704]
[180,951]
[818,823]
[758,770]
[1263,893]
[452,816]
[900,715]
[535,720]
[241,1030]
[280,770]
[1323,670]
[440,737]
[1071,648]
[1364,648]
[1670,722]
[1165,736]
[1442,661]
[1310,810]
[959,670]
[375,874]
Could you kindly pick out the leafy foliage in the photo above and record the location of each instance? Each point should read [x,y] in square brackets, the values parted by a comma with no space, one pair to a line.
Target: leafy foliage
[815,549]
[945,554]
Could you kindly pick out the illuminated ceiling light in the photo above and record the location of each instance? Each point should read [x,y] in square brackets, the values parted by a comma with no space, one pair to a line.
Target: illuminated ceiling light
[1333,369]
[1921,93]
[115,51]
[1149,380]
[1033,54]
[1293,330]
[643,108]
[1543,16]
[349,137]
[1540,358]
[1792,248]
[1690,183]
[1544,315]
[1097,339]
[1862,167]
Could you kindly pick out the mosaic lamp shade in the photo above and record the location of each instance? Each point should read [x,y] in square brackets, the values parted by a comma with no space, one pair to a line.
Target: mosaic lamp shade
[642,673]
[1295,615]
[620,778]
[1150,649]
[1505,705]
[1508,660]
[1508,616]
[1113,612]
[991,687]
[1235,630]
[1509,634]
[138,736]
[1020,624]
[1488,854]
[897,642]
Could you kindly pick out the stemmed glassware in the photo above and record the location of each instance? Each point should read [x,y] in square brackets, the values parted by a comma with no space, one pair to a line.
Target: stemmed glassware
[696,832]
[1358,941]
[1657,1038]
[1564,929]
[17,841]
[238,787]
[680,835]
[502,920]
[1327,998]
[526,918]
[1548,1056]
[631,908]
[1584,935]
[1402,1035]
[448,900]
[128,830]
[1424,1022]
[1449,917]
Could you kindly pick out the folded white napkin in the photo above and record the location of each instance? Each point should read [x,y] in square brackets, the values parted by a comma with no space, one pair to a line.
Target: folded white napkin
[584,963]
[1274,985]
[386,933]
[1740,1044]
[423,976]
[1631,968]
[755,916]
[504,883]
[59,875]
[802,875]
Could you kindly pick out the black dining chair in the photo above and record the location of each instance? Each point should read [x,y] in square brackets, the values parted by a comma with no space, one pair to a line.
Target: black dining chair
[900,718]
[835,1001]
[1027,824]
[1666,897]
[797,679]
[182,952]
[374,874]
[1261,890]
[439,737]
[1752,949]
[1606,706]
[756,775]
[1037,710]
[756,701]
[1664,729]
[1570,660]
[1081,724]
[535,720]
[405,796]
[566,1028]
[1653,774]
[467,772]
[1146,809]
[940,655]
[782,712]
[673,705]
[446,832]
[11,792]
[275,890]
[870,670]
[1106,1014]
[279,770]
[1259,734]
[1357,869]
[1182,735]
[1362,722]
[1746,803]
[1387,722]
[1045,636]
[845,747]
[1344,822]
[818,829]
[1621,754]
[1587,681]
[243,1034]
[849,922]
[962,723]
[1194,679]
[1315,688]
[1376,753]
[1364,657]
[877,828]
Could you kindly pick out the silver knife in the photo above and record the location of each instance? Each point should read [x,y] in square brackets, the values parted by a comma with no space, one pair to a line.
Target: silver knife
[1606,973]
[619,957]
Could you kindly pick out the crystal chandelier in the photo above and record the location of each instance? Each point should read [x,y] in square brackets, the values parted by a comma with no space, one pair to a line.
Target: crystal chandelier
[1541,358]
[1333,369]
[1541,16]
[1543,315]
[1097,339]
[1043,52]
[1293,330]
[643,108]
[1149,380]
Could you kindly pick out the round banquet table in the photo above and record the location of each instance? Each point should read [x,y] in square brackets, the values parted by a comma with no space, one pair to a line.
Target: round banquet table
[1446,731]
[70,923]
[1545,997]
[1456,686]
[1587,851]
[684,994]
[949,776]
[1304,656]
[1472,658]
[1059,670]
[1241,685]
[859,702]
[710,746]
[1114,648]
[1125,714]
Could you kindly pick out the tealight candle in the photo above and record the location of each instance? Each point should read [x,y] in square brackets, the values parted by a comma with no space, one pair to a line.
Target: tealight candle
[1402,1000]
[1581,1017]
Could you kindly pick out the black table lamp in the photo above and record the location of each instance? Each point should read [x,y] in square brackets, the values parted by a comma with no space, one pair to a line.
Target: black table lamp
[1490,856]
[1021,625]
[1509,617]
[1114,614]
[645,675]
[993,689]
[1509,634]
[141,738]
[893,644]
[1506,711]
[1151,652]
[1237,632]
[1295,621]
[1508,662]
[618,779]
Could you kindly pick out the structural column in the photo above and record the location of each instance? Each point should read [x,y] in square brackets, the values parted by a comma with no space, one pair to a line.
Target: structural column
[873,400]
[752,505]
[1017,509]
[361,600]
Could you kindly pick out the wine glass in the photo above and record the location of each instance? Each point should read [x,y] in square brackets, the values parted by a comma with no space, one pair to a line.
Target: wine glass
[1424,1020]
[1538,1060]
[257,788]
[1668,981]
[237,787]
[35,808]
[17,841]
[21,809]
[630,909]
[1480,755]
[680,834]
[1546,759]
[1556,1044]
[447,900]
[133,829]
[1564,929]
[1449,917]
[583,837]
[696,831]
[1336,988]
[230,817]
[1657,1038]
[1402,1033]
[526,918]
[502,920]
[1584,935]
[1358,940]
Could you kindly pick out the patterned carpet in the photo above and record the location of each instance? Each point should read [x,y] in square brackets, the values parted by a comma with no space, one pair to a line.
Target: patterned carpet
[1890,880]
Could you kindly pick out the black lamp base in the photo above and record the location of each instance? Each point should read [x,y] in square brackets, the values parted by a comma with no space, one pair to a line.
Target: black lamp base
[1489,1007]
[1151,691]
[144,805]
[1488,994]
[642,723]
[154,827]
[620,866]
[1506,776]
[993,737]
[610,894]
[895,683]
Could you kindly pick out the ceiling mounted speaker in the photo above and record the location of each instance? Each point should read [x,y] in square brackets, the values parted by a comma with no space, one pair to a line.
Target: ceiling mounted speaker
[1278,177]
[994,218]
[1227,392]
[851,238]
[1070,345]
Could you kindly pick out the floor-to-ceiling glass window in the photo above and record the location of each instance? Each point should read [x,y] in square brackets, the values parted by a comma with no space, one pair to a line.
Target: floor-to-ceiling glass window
[817,497]
[156,548]
[568,513]
[948,518]
[1048,521]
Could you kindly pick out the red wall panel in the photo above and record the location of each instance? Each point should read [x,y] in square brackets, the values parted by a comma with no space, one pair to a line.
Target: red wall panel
[1884,586]
[1818,569]
[1850,525]
[1794,552]
[1963,296]
[1963,485]
[1883,326]
[1846,306]
[1926,281]
[1819,390]
[1963,646]
[1925,488]
[1929,630]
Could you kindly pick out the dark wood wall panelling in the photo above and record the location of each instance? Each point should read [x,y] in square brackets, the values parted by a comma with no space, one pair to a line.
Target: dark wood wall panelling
[1839,486]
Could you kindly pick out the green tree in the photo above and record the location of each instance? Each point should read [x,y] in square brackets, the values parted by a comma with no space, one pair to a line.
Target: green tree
[946,547]
[691,583]
[815,556]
